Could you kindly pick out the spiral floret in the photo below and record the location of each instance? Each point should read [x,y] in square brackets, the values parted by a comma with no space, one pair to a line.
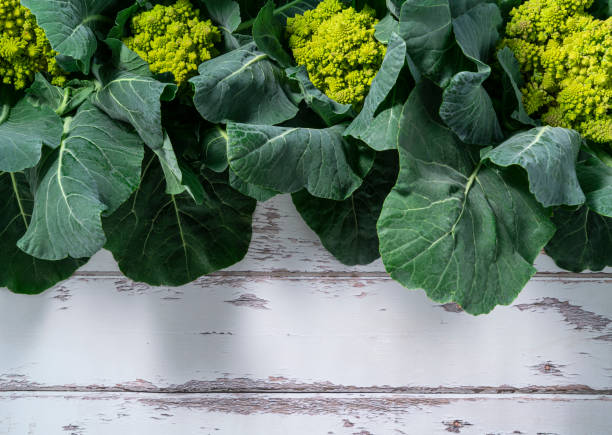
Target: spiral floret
[24,48]
[338,49]
[173,39]
[565,55]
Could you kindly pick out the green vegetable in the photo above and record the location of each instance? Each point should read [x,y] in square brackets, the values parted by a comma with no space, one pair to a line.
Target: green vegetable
[459,228]
[566,56]
[169,240]
[418,137]
[173,39]
[24,48]
[338,48]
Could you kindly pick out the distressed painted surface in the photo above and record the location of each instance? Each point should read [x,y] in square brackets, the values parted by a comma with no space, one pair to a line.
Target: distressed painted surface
[283,242]
[290,341]
[281,414]
[303,333]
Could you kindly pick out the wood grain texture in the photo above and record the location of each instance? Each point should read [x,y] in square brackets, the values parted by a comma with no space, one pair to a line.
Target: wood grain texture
[282,242]
[281,414]
[290,341]
[256,333]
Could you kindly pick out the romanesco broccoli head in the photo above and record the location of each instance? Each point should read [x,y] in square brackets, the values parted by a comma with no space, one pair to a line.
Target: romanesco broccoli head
[24,48]
[566,57]
[173,39]
[338,48]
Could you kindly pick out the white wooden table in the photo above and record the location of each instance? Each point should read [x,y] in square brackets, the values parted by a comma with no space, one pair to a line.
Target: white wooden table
[289,341]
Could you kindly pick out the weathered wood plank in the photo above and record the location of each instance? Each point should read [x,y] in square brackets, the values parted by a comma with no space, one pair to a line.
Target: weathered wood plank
[283,242]
[272,414]
[231,333]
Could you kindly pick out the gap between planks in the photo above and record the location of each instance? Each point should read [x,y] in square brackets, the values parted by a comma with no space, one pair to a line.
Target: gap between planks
[337,274]
[247,386]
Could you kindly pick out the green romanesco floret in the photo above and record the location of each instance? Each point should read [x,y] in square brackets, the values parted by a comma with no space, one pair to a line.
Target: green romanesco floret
[338,48]
[173,39]
[565,55]
[24,48]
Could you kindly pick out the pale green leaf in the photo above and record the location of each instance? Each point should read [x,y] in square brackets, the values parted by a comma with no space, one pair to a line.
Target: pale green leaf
[461,230]
[549,155]
[242,86]
[287,159]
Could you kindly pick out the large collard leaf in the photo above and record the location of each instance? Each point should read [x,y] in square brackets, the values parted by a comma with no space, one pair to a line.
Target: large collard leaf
[62,100]
[21,272]
[596,182]
[95,170]
[582,241]
[130,94]
[70,27]
[512,83]
[242,86]
[463,231]
[549,155]
[287,159]
[24,129]
[383,83]
[169,240]
[347,228]
[466,106]
[330,111]
[426,27]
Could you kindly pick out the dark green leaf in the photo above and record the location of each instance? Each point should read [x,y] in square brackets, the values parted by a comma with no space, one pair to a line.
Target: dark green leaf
[268,35]
[513,82]
[289,159]
[258,193]
[385,28]
[395,6]
[225,13]
[463,231]
[214,144]
[176,182]
[130,94]
[549,155]
[382,132]
[601,9]
[62,100]
[596,182]
[383,83]
[426,26]
[20,272]
[24,129]
[242,86]
[121,27]
[330,111]
[347,228]
[582,241]
[169,240]
[70,27]
[96,168]
[466,106]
